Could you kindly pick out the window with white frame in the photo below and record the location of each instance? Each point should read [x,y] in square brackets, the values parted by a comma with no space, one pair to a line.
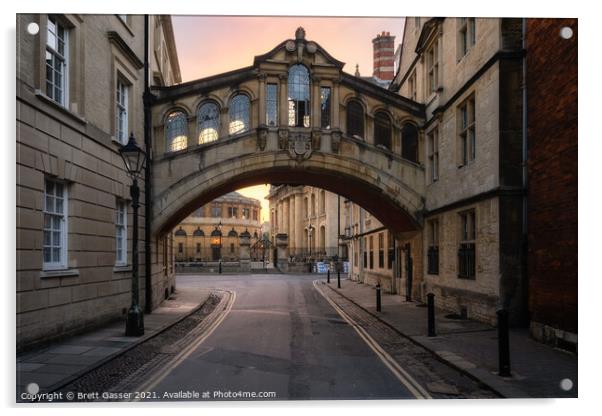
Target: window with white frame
[433,154]
[55,225]
[466,35]
[121,126]
[57,61]
[432,65]
[121,233]
[467,128]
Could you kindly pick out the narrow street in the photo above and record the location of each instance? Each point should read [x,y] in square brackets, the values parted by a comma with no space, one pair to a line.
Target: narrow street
[281,336]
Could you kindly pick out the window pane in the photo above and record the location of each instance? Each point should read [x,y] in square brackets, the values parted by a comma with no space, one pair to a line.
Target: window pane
[298,96]
[272,105]
[382,130]
[47,255]
[325,107]
[239,114]
[208,122]
[355,119]
[176,131]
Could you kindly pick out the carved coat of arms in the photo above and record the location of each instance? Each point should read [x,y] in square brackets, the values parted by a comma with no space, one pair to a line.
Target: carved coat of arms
[299,146]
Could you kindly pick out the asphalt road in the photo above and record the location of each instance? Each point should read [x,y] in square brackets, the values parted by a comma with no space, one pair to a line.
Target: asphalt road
[281,336]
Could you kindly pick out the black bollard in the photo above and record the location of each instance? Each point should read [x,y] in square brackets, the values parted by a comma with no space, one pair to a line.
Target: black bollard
[328,276]
[378,306]
[339,279]
[430,302]
[503,341]
[220,267]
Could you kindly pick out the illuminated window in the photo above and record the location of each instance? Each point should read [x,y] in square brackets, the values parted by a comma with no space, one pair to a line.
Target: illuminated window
[239,114]
[176,131]
[208,122]
[272,105]
[298,96]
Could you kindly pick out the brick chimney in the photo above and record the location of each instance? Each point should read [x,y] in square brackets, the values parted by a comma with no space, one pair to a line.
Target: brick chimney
[384,50]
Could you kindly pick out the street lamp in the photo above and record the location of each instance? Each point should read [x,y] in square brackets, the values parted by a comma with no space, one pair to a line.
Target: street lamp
[219,227]
[310,232]
[134,158]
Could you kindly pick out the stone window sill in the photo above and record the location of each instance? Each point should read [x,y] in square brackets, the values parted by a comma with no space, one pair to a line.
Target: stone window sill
[49,274]
[122,269]
[61,108]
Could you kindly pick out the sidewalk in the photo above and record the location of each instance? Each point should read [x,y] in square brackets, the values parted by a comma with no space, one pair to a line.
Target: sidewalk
[61,362]
[472,346]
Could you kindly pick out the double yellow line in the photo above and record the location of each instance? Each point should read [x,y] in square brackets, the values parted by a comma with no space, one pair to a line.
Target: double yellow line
[190,348]
[402,375]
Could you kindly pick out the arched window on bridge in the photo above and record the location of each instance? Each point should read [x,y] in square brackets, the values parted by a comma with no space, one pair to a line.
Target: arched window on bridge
[176,131]
[208,122]
[239,114]
[298,96]
[409,142]
[382,130]
[355,119]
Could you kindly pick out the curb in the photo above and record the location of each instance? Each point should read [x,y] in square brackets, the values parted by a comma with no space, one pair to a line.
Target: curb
[478,374]
[144,338]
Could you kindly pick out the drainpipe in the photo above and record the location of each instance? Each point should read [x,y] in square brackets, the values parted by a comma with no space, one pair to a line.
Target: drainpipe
[525,286]
[146,99]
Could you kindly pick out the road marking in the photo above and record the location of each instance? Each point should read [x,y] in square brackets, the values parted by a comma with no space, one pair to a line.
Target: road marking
[402,375]
[188,350]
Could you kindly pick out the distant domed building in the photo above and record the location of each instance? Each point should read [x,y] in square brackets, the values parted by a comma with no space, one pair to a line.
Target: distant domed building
[212,232]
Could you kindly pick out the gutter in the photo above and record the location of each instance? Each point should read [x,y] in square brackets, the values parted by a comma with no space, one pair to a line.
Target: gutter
[146,100]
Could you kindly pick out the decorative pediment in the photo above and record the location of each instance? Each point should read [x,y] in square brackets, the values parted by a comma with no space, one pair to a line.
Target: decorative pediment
[429,30]
[301,48]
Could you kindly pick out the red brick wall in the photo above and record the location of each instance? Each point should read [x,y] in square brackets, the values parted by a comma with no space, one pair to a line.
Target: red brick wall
[552,172]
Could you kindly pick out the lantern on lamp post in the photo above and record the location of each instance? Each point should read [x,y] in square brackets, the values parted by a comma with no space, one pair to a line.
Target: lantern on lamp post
[134,158]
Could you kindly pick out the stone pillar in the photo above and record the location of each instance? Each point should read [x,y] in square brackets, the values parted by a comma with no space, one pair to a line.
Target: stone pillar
[283,104]
[285,216]
[291,221]
[315,104]
[335,105]
[245,252]
[282,247]
[299,231]
[262,104]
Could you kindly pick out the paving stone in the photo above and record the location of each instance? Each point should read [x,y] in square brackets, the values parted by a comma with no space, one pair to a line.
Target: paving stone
[70,349]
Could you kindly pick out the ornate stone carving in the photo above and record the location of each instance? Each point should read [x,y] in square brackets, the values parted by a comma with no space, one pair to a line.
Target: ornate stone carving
[335,141]
[290,46]
[300,33]
[282,139]
[262,136]
[300,146]
[312,47]
[316,139]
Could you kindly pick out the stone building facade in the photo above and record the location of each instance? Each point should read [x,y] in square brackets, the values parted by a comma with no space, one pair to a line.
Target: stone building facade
[552,212]
[468,74]
[212,232]
[80,82]
[308,216]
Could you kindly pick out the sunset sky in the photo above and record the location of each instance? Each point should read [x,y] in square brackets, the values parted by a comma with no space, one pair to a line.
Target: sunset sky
[210,45]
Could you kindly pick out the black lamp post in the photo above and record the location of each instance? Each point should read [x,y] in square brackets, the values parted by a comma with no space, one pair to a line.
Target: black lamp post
[134,158]
[219,227]
[310,232]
